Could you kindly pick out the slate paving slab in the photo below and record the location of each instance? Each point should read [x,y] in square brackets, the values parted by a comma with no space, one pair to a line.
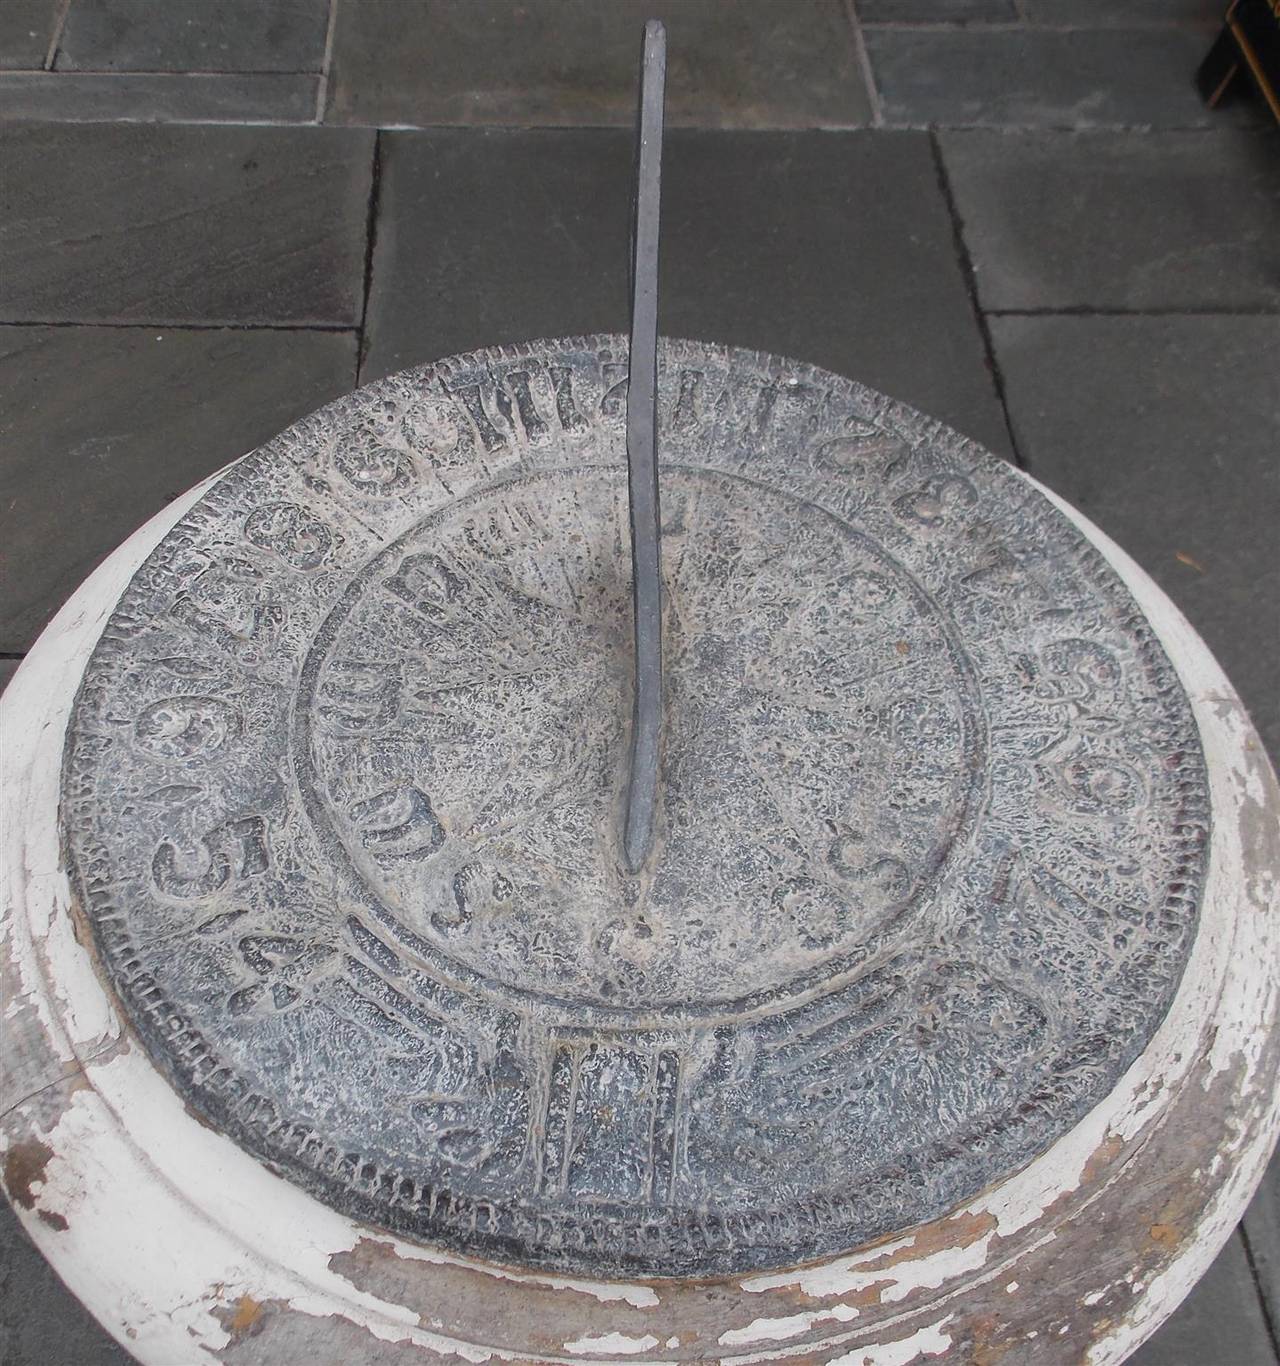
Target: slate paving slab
[1042,77]
[1124,13]
[1164,431]
[62,1333]
[1219,1324]
[733,63]
[173,224]
[835,249]
[26,27]
[83,97]
[193,35]
[101,427]
[1262,1234]
[936,11]
[1120,220]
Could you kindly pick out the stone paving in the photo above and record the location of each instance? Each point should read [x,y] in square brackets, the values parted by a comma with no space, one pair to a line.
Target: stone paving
[1014,214]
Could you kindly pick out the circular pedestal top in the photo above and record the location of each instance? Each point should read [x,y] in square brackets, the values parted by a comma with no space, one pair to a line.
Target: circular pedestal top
[342,787]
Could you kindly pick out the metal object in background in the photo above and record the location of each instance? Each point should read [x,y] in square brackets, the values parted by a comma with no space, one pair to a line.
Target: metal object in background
[1248,48]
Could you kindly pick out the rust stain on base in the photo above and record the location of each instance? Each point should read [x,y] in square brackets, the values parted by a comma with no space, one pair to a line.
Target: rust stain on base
[988,1347]
[24,1167]
[248,1314]
[1102,1157]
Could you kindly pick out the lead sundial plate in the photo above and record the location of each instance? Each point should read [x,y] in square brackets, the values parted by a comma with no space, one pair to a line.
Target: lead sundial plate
[341,801]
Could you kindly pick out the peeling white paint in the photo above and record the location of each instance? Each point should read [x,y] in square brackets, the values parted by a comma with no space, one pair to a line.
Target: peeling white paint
[789,1327]
[611,1342]
[928,1342]
[638,1296]
[847,1275]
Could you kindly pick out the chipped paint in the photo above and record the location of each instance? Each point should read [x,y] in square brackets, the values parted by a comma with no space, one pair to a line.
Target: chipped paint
[611,1342]
[760,1329]
[920,1346]
[636,1295]
[921,1261]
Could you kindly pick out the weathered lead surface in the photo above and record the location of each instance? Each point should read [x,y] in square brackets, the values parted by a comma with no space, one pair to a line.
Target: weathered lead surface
[342,788]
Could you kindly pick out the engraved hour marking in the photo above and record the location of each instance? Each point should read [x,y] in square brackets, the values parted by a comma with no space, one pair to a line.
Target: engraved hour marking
[185,727]
[662,1147]
[566,408]
[359,695]
[685,418]
[614,402]
[577,1121]
[291,532]
[399,823]
[557,1124]
[469,396]
[236,848]
[530,418]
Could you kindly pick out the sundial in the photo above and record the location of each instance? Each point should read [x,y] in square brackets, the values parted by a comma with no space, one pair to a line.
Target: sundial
[621,808]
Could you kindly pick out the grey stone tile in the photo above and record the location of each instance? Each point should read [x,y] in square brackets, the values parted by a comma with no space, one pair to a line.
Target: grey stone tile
[1120,220]
[41,1322]
[835,249]
[161,223]
[936,11]
[732,63]
[1041,77]
[1164,430]
[1262,1231]
[26,26]
[1124,13]
[79,97]
[101,427]
[1219,1324]
[193,35]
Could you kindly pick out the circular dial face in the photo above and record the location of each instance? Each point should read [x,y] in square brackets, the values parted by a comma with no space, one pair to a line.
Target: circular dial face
[343,799]
[809,797]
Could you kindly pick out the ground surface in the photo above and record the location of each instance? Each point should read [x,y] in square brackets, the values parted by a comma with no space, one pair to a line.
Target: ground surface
[1014,214]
